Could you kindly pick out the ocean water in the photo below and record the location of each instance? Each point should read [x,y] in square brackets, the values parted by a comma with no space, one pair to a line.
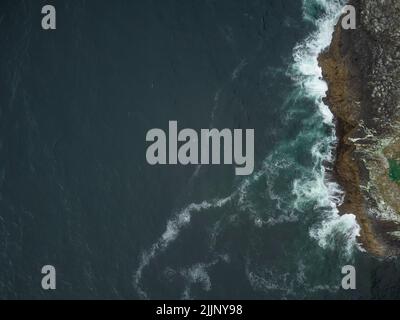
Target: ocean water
[76,191]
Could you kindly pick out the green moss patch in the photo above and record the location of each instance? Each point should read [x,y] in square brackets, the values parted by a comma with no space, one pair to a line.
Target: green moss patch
[394,171]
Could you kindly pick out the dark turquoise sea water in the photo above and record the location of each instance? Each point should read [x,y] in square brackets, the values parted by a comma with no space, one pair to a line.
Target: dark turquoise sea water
[76,191]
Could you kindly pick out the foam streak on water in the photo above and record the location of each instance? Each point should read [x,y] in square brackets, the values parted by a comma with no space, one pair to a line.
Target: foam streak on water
[173,228]
[181,220]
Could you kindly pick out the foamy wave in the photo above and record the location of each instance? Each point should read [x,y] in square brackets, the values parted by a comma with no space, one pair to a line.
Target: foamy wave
[312,187]
[307,73]
[343,229]
[306,68]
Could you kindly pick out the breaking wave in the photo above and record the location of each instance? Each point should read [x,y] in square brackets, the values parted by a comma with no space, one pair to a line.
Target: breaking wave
[292,186]
[320,189]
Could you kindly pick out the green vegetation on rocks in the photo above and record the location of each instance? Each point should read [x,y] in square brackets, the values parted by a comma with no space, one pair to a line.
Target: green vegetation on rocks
[394,170]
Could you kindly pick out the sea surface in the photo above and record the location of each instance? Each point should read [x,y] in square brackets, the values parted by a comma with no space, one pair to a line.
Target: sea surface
[77,193]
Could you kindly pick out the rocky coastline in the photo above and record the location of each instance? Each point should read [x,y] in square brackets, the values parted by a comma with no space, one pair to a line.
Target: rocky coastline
[362,69]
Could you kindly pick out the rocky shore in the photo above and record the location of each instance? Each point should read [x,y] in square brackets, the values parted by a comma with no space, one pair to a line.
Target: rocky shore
[362,69]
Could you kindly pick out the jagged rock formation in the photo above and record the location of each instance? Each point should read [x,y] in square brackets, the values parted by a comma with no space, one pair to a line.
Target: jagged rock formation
[362,68]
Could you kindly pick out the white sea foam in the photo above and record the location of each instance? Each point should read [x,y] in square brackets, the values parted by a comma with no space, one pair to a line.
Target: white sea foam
[238,69]
[182,219]
[173,228]
[266,280]
[344,227]
[308,75]
[197,274]
[305,67]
